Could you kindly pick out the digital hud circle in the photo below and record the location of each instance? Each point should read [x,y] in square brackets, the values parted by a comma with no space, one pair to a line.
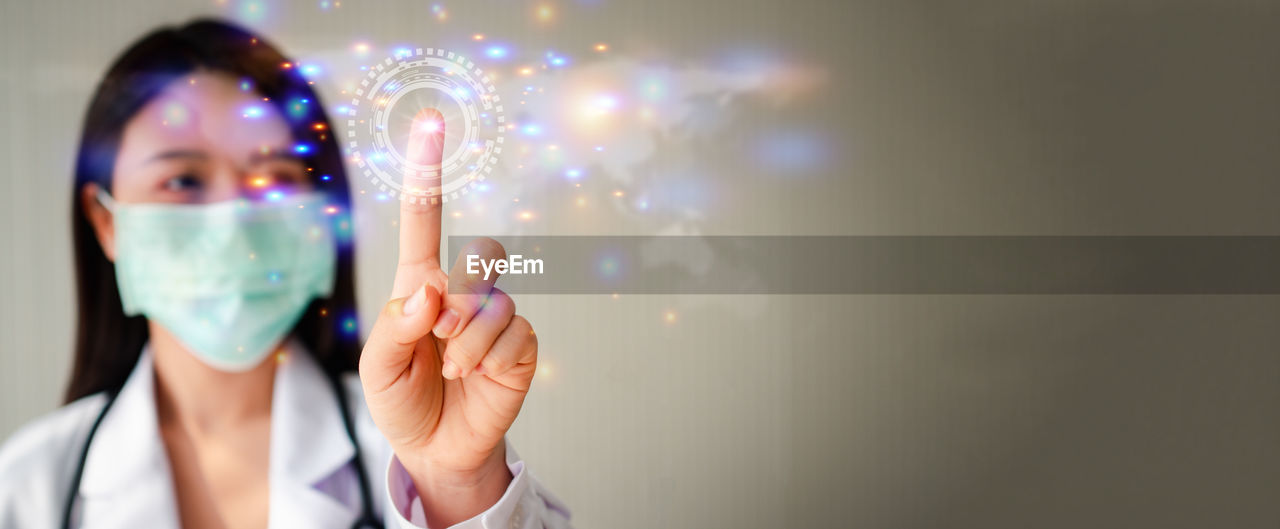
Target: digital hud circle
[392,93]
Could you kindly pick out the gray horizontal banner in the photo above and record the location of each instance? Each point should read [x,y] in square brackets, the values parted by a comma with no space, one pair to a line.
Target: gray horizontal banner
[882,265]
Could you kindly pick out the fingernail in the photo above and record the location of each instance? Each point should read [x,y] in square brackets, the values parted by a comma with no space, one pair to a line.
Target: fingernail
[415,302]
[447,322]
[450,370]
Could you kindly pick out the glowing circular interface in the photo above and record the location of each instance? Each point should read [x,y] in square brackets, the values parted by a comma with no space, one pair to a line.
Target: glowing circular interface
[392,94]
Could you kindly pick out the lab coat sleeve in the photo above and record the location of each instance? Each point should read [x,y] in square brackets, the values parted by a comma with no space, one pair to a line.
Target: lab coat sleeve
[525,505]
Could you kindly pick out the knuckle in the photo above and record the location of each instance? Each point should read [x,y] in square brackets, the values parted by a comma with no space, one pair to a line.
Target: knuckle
[461,355]
[521,327]
[497,363]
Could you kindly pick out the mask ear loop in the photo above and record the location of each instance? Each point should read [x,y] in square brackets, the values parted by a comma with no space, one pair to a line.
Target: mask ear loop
[105,199]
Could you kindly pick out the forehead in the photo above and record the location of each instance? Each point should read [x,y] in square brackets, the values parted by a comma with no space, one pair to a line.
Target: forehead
[207,112]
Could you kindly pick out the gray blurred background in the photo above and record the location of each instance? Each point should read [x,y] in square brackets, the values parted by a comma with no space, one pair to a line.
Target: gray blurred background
[905,118]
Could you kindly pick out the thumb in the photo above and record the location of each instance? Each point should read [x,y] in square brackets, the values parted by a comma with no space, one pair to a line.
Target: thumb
[401,324]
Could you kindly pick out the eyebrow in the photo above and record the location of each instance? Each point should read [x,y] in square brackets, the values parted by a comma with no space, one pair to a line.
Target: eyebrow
[274,154]
[176,154]
[255,158]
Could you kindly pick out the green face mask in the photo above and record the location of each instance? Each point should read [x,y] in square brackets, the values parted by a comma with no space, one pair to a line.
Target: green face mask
[228,279]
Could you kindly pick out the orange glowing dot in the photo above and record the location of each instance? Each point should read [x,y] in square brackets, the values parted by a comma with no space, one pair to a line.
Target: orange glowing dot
[582,201]
[545,12]
[478,36]
[259,181]
[670,316]
[457,214]
[324,312]
[319,126]
[331,210]
[617,193]
[602,47]
[526,215]
[286,65]
[526,71]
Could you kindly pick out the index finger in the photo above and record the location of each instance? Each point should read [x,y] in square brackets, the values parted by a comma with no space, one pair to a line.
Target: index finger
[420,204]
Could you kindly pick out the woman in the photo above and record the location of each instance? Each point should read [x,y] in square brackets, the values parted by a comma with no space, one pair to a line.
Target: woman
[212,382]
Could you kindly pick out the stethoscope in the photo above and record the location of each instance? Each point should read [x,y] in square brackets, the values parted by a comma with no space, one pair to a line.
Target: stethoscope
[365,521]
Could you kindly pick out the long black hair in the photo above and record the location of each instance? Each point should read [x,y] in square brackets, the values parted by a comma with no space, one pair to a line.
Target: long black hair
[108,343]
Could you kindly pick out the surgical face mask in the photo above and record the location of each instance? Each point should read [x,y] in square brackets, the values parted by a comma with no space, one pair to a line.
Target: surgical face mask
[228,279]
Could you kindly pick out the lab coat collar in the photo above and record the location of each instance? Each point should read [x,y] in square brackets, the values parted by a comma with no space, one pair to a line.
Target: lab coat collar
[127,447]
[308,441]
[309,444]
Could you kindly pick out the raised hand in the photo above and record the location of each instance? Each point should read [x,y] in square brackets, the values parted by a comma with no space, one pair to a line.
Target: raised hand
[444,376]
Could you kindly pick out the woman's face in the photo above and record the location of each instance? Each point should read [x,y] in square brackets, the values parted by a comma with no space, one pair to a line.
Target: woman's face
[203,139]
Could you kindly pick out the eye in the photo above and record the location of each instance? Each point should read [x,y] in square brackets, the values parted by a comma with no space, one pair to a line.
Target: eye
[182,183]
[285,173]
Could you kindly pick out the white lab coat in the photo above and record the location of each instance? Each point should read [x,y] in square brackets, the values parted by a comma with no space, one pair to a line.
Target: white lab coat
[313,484]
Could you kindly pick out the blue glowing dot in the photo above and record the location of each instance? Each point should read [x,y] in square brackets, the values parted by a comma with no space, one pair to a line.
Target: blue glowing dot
[555,59]
[274,196]
[403,52]
[496,52]
[253,112]
[382,197]
[309,70]
[326,178]
[297,108]
[302,148]
[531,129]
[245,85]
[573,174]
[482,187]
[349,325]
[273,276]
[342,109]
[599,148]
[462,92]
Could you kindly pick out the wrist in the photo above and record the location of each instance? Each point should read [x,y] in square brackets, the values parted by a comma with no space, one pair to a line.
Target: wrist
[450,496]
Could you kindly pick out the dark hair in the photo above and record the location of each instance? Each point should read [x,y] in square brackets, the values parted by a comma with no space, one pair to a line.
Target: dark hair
[108,343]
